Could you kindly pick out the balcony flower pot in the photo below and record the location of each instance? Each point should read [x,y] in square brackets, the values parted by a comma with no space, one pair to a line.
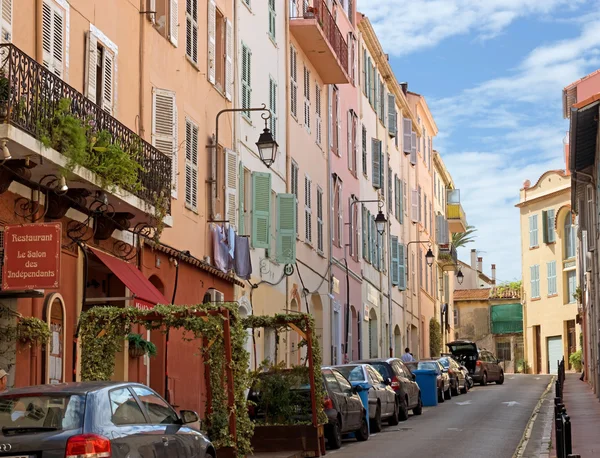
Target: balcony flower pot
[311,12]
[139,347]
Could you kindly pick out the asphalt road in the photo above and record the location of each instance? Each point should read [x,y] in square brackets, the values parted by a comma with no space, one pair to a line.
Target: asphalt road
[487,422]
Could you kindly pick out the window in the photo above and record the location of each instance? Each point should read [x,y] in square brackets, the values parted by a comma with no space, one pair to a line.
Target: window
[273,106]
[352,147]
[503,351]
[534,272]
[455,315]
[294,82]
[377,166]
[420,219]
[307,210]
[551,268]
[220,51]
[318,126]
[166,20]
[339,228]
[124,408]
[158,410]
[272,17]
[191,166]
[231,186]
[355,231]
[569,237]
[164,129]
[53,37]
[390,191]
[533,231]
[382,98]
[336,124]
[294,185]
[352,58]
[246,79]
[191,30]
[100,59]
[571,286]
[364,150]
[549,234]
[307,98]
[425,209]
[319,220]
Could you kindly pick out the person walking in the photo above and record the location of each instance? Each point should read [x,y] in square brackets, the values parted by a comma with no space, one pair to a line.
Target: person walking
[3,380]
[407,357]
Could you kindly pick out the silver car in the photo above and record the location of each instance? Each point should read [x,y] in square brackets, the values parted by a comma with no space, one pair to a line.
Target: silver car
[382,398]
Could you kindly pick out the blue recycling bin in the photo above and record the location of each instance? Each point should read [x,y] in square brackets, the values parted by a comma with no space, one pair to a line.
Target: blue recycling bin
[364,397]
[427,381]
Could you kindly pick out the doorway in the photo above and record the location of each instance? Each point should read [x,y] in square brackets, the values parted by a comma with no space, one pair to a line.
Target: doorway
[555,353]
[538,349]
[571,340]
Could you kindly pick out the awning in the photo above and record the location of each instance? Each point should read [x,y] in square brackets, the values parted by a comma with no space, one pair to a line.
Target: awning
[145,294]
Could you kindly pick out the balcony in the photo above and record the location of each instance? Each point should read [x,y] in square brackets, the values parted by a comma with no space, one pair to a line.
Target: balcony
[457,221]
[321,40]
[447,255]
[33,101]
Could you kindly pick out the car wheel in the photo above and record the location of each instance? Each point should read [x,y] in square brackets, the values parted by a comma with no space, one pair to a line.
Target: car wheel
[403,410]
[465,388]
[376,422]
[362,434]
[440,396]
[455,390]
[395,418]
[501,379]
[419,409]
[334,436]
[448,394]
[210,454]
[484,379]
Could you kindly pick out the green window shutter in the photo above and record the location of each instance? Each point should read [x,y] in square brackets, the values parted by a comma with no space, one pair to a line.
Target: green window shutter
[241,194]
[286,228]
[365,238]
[550,223]
[401,267]
[376,162]
[545,226]
[394,269]
[261,209]
[381,164]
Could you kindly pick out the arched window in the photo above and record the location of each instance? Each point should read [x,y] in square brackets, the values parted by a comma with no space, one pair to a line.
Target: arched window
[55,312]
[569,237]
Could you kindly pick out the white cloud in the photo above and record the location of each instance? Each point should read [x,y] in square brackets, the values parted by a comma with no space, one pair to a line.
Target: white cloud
[424,23]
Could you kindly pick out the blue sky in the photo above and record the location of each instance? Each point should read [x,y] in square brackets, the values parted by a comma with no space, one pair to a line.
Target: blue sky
[492,72]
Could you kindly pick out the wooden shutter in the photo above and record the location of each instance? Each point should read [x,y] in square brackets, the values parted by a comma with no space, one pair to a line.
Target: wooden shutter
[414,203]
[349,140]
[191,165]
[164,128]
[413,151]
[52,38]
[394,268]
[551,233]
[7,20]
[286,229]
[191,30]
[241,196]
[212,43]
[406,135]
[261,209]
[369,238]
[307,209]
[174,21]
[231,186]
[402,197]
[229,59]
[108,81]
[401,267]
[365,240]
[246,78]
[91,66]
[376,162]
[392,116]
[544,226]
[294,82]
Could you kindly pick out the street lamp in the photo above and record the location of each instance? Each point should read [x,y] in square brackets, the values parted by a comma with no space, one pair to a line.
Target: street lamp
[267,146]
[380,222]
[460,277]
[429,257]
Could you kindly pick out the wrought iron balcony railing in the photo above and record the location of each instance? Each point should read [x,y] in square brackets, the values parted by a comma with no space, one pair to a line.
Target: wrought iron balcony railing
[317,9]
[30,95]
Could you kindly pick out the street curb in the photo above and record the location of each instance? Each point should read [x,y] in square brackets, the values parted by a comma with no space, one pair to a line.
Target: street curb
[527,433]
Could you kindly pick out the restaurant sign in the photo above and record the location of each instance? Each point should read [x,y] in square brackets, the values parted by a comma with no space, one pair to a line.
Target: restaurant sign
[31,256]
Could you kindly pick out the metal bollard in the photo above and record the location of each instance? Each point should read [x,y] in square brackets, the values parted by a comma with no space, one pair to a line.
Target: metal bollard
[567,438]
[558,429]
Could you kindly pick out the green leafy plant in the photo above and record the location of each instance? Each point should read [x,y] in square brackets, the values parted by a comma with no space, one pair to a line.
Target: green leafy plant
[137,342]
[578,295]
[576,360]
[460,239]
[32,331]
[522,367]
[435,337]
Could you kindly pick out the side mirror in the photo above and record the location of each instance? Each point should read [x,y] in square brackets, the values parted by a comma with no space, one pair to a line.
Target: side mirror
[189,416]
[357,389]
[387,381]
[413,376]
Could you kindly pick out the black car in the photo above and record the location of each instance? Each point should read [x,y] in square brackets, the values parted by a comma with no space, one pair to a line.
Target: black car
[402,381]
[483,366]
[97,419]
[342,405]
[458,379]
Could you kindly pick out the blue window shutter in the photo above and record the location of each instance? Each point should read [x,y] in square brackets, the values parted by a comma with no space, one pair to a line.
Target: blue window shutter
[376,160]
[286,228]
[401,267]
[261,209]
[394,268]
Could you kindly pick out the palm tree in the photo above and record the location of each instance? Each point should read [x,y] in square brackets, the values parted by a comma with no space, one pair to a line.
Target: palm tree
[460,239]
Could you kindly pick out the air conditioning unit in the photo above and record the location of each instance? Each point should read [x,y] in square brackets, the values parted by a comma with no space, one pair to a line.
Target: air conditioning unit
[213,295]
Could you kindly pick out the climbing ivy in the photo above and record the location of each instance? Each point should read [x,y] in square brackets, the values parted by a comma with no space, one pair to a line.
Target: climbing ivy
[435,338]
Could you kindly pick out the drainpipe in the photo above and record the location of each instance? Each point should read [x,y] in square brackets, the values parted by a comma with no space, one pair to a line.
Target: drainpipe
[141,64]
[330,211]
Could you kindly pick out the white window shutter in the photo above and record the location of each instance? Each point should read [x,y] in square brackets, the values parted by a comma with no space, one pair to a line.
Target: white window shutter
[413,152]
[47,36]
[339,123]
[212,44]
[92,64]
[174,153]
[350,139]
[107,81]
[164,129]
[406,135]
[229,60]
[414,203]
[174,21]
[231,183]
[7,7]
[58,41]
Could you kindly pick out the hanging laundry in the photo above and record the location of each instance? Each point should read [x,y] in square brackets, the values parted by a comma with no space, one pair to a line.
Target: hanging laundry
[242,261]
[231,235]
[220,249]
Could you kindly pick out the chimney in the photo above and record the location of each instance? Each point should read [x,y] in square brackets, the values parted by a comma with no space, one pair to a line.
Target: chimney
[404,87]
[494,274]
[473,259]
[480,264]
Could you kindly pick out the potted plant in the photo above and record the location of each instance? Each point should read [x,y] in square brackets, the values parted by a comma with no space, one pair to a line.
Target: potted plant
[32,331]
[138,346]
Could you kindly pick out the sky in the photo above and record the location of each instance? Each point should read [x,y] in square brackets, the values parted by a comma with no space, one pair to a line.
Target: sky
[492,72]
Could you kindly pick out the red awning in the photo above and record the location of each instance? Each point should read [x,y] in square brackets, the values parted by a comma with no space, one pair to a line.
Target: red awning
[145,293]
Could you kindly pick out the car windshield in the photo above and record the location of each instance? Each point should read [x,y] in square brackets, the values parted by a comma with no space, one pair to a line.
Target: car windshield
[60,412]
[444,362]
[381,368]
[352,373]
[430,365]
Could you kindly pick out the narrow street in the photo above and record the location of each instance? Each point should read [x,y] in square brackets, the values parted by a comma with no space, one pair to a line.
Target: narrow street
[487,422]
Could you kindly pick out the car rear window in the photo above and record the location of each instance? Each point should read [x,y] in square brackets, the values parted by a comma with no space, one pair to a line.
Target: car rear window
[444,362]
[382,368]
[429,365]
[352,373]
[63,412]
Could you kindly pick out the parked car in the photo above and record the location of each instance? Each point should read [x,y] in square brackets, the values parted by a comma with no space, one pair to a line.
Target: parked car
[101,419]
[382,398]
[458,380]
[443,380]
[463,369]
[402,381]
[342,405]
[483,366]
